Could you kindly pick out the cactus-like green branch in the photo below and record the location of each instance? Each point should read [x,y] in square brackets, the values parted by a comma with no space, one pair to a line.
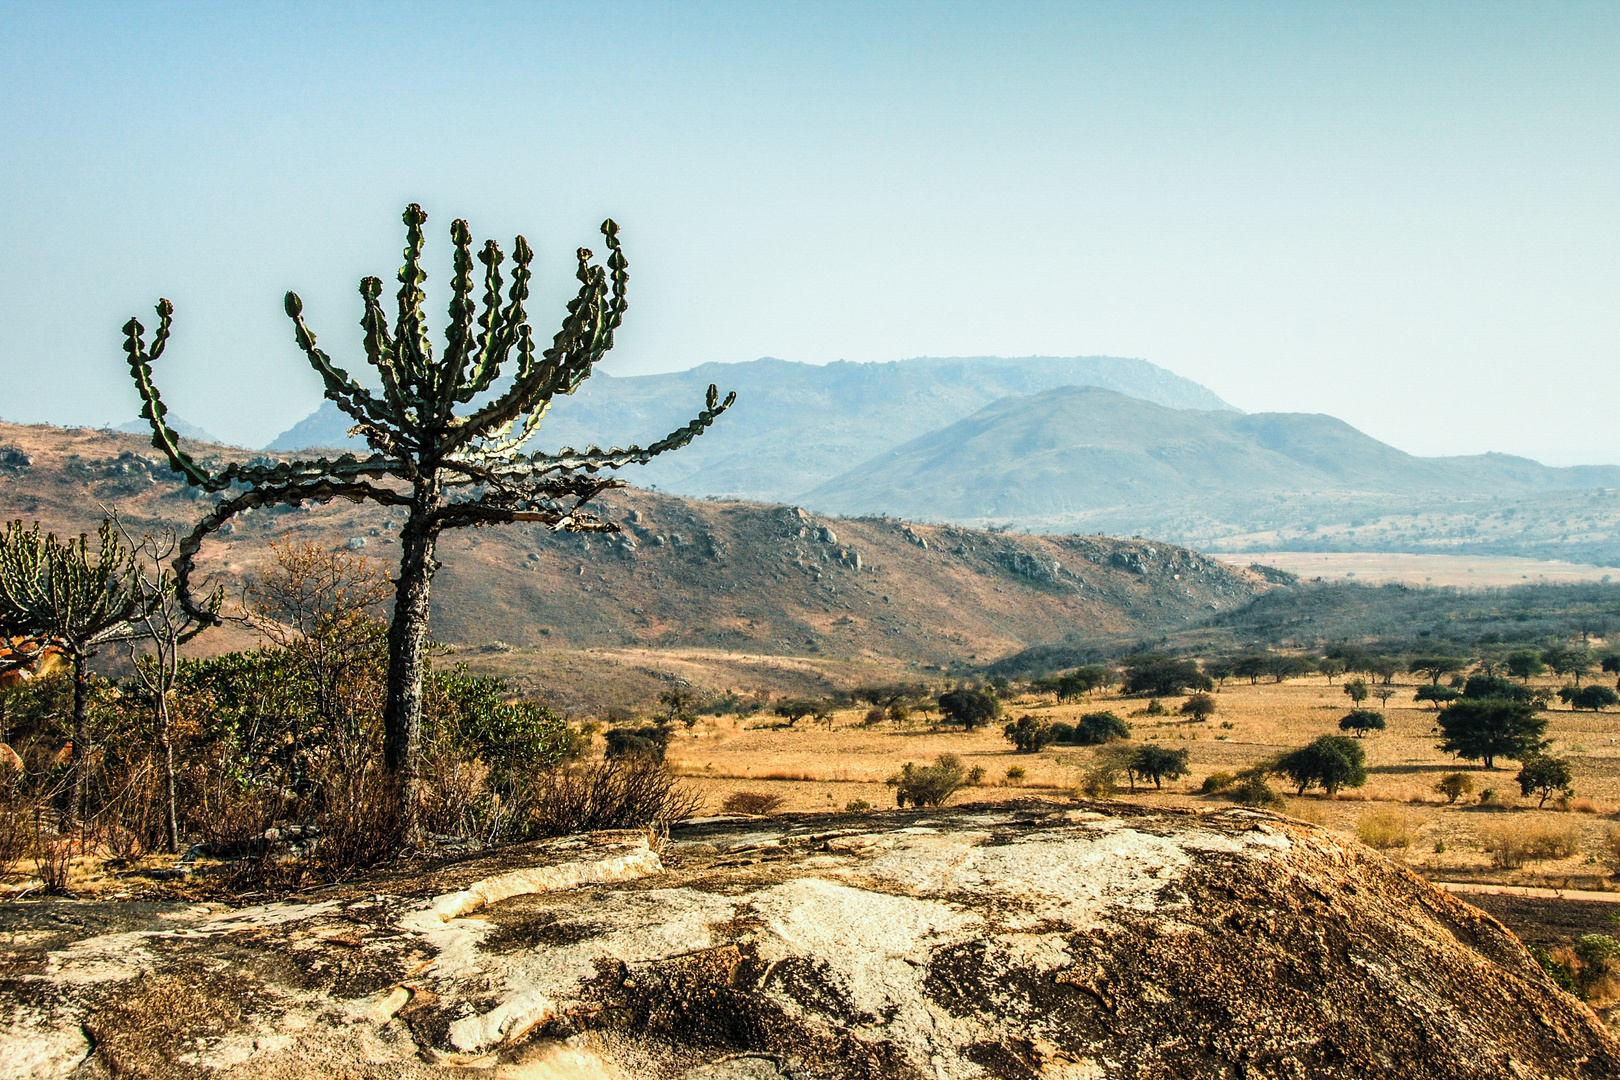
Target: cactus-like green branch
[449,470]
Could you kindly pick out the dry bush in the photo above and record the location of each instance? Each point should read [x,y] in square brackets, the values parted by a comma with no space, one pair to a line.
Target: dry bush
[53,861]
[1385,830]
[1308,810]
[1513,844]
[1611,844]
[1583,806]
[616,793]
[752,803]
[361,822]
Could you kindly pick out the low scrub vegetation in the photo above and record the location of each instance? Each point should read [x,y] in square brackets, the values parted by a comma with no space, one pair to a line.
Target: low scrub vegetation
[1514,844]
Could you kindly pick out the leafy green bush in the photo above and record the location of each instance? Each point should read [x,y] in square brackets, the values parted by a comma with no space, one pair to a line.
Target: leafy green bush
[928,785]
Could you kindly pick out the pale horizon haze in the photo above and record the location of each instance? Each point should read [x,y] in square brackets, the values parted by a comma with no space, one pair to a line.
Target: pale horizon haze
[1404,215]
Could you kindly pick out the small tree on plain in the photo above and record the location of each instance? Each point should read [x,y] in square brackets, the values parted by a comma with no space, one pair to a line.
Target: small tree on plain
[1436,666]
[1356,690]
[1362,721]
[1438,695]
[1611,665]
[1097,728]
[1525,663]
[1332,667]
[1029,734]
[1594,696]
[795,710]
[929,785]
[968,707]
[1486,729]
[1157,763]
[1199,706]
[1542,775]
[1453,786]
[1332,761]
[1564,660]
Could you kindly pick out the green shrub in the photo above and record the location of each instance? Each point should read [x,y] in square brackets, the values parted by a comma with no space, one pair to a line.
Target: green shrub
[1215,783]
[928,785]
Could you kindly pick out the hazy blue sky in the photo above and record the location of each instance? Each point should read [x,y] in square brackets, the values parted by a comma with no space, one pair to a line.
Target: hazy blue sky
[1403,215]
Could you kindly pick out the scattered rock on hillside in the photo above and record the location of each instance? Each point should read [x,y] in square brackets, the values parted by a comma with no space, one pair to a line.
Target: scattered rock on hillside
[1024,940]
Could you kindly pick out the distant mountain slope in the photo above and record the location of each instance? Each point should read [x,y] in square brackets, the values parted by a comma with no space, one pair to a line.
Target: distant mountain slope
[181,428]
[730,576]
[1088,459]
[798,425]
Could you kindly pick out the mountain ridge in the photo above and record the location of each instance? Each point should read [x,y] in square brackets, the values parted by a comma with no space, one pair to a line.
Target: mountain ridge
[796,425]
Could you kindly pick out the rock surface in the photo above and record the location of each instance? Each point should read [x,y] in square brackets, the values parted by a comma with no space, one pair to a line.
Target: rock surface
[1020,940]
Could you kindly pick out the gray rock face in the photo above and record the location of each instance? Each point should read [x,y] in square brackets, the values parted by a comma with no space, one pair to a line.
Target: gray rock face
[1028,940]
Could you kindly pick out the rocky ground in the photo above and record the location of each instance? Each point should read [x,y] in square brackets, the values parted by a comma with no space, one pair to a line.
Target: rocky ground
[1004,940]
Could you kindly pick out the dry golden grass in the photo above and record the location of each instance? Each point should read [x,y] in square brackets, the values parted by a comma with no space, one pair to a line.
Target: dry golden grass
[821,769]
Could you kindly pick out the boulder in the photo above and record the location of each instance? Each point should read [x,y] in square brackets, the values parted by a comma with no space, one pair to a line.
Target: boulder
[1016,940]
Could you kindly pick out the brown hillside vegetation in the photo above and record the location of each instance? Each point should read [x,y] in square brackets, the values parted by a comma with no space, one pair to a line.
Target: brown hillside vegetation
[684,574]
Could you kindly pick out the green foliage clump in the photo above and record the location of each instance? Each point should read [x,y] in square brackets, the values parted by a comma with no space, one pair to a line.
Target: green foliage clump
[1156,763]
[1215,783]
[1199,706]
[1542,775]
[1029,734]
[1331,761]
[1439,695]
[969,707]
[1362,721]
[928,785]
[1163,676]
[1250,789]
[1096,728]
[1487,729]
[1454,786]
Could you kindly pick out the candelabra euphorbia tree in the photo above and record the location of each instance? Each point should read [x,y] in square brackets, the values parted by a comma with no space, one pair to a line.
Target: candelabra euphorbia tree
[447,469]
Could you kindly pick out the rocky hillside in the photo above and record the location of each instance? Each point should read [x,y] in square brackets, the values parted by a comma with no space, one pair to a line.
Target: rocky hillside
[1012,941]
[683,573]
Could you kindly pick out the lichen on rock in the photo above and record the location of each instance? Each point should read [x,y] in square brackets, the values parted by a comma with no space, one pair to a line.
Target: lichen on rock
[1021,940]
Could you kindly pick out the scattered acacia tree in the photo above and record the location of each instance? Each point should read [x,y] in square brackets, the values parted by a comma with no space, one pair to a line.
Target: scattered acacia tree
[1029,734]
[1198,706]
[1564,660]
[449,470]
[1163,676]
[58,592]
[968,707]
[1362,721]
[678,706]
[1439,695]
[1436,666]
[1097,728]
[1593,696]
[1332,667]
[1542,775]
[1486,729]
[1453,786]
[1331,761]
[1611,665]
[1156,763]
[1356,690]
[795,709]
[1525,663]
